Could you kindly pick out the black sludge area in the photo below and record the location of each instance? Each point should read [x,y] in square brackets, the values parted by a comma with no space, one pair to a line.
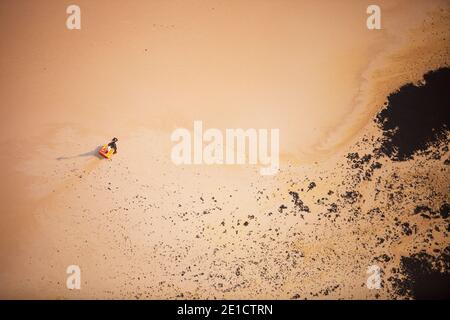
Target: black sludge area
[416,117]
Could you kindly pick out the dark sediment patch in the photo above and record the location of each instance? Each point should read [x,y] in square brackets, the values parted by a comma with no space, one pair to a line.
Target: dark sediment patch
[416,117]
[428,213]
[374,202]
[298,203]
[424,276]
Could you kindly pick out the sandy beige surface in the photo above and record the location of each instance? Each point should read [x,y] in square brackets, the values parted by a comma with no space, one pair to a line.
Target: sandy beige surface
[141,227]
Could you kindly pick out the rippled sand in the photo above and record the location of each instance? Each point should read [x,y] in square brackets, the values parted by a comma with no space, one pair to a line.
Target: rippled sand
[140,227]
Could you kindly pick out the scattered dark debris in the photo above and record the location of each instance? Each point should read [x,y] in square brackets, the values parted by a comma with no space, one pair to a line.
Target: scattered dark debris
[298,203]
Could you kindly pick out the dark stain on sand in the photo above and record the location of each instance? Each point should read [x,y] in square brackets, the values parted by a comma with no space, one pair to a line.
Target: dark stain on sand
[416,117]
[424,276]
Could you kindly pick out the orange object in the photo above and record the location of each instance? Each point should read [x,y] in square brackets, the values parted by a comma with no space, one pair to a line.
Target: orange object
[104,153]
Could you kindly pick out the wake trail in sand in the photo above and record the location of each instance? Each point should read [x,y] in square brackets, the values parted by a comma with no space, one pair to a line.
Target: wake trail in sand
[87,169]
